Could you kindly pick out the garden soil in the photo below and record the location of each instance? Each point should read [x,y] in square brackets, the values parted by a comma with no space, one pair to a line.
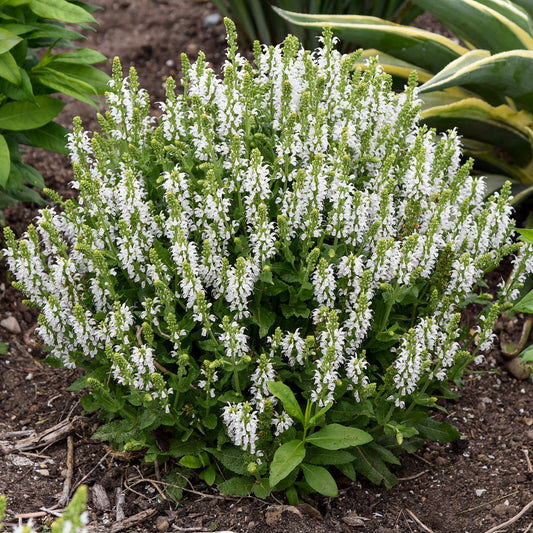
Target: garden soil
[482,480]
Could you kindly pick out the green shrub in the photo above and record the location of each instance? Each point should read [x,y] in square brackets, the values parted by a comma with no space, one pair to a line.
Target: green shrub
[29,73]
[483,88]
[257,20]
[269,276]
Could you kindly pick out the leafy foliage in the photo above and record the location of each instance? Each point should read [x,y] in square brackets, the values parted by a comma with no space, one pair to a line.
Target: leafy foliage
[483,87]
[258,21]
[29,73]
[264,284]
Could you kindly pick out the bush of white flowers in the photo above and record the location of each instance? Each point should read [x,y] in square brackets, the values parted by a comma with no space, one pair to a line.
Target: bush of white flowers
[265,281]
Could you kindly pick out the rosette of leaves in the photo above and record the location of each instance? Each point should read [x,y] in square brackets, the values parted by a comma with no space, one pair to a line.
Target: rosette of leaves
[30,73]
[258,21]
[483,87]
[265,282]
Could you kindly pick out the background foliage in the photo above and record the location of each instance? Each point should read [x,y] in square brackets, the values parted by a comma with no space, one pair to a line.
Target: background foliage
[30,72]
[482,86]
[257,20]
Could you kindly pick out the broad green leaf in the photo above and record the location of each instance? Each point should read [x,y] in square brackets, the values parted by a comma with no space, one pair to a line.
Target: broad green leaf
[82,55]
[348,470]
[498,126]
[319,479]
[46,30]
[191,461]
[19,116]
[439,431]
[9,70]
[373,468]
[526,5]
[5,161]
[51,137]
[527,355]
[230,457]
[497,77]
[525,305]
[477,23]
[30,175]
[383,453]
[261,488]
[336,437]
[61,84]
[290,404]
[7,40]
[4,348]
[110,430]
[320,456]
[83,74]
[24,91]
[61,10]
[526,235]
[264,318]
[237,486]
[423,48]
[287,457]
[209,475]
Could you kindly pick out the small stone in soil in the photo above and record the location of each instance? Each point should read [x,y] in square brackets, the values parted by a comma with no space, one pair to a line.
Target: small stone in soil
[10,323]
[212,20]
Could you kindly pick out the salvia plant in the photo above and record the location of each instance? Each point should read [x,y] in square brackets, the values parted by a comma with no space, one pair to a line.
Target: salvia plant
[266,281]
[73,519]
[482,86]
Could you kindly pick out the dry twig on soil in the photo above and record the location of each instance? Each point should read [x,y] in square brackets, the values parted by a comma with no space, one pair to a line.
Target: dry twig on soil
[511,520]
[65,495]
[418,521]
[132,520]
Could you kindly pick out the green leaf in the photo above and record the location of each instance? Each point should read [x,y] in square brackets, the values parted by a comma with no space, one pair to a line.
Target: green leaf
[319,456]
[209,475]
[373,468]
[525,305]
[191,461]
[287,457]
[261,488]
[527,355]
[336,437]
[4,348]
[439,431]
[111,430]
[7,40]
[319,479]
[61,10]
[30,175]
[285,394]
[176,480]
[479,23]
[428,50]
[230,457]
[9,70]
[81,55]
[348,470]
[490,76]
[51,137]
[264,318]
[5,161]
[20,116]
[236,486]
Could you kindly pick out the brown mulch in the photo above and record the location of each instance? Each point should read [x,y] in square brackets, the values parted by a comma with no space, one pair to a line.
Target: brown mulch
[469,486]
